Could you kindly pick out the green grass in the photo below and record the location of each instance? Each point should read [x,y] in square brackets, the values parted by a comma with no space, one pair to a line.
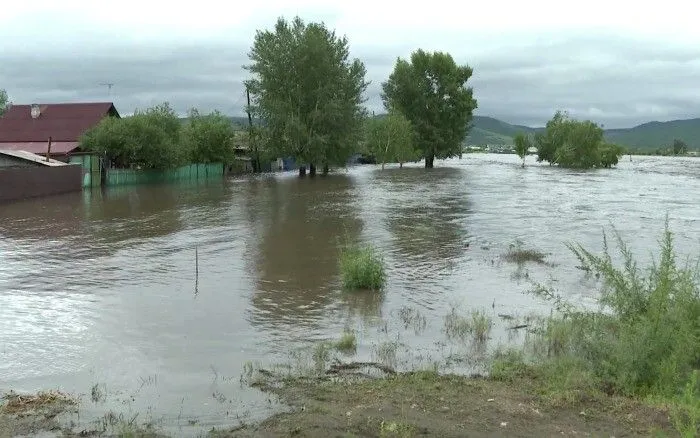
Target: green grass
[476,325]
[643,341]
[347,343]
[362,267]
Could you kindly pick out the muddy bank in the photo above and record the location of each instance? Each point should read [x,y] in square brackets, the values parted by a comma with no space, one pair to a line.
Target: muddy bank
[427,404]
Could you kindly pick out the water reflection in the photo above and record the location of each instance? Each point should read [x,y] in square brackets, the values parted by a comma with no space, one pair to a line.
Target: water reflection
[427,216]
[297,259]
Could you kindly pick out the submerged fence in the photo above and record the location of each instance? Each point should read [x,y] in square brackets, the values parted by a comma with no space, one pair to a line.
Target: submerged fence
[119,177]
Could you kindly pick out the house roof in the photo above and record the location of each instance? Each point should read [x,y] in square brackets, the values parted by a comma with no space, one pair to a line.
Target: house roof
[34,158]
[41,147]
[63,122]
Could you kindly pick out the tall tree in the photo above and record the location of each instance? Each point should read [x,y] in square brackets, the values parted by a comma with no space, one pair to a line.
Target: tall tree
[4,100]
[679,147]
[391,138]
[431,91]
[522,144]
[308,92]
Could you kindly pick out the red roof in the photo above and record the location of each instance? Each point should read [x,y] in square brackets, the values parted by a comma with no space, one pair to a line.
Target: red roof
[41,147]
[63,122]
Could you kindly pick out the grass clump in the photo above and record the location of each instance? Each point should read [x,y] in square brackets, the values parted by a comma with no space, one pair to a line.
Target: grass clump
[362,267]
[477,325]
[347,343]
[643,341]
[520,255]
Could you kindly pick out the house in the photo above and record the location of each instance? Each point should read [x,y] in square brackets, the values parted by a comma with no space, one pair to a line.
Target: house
[57,127]
[29,127]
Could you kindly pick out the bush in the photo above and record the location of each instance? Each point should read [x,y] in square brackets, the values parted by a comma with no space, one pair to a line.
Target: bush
[361,267]
[645,339]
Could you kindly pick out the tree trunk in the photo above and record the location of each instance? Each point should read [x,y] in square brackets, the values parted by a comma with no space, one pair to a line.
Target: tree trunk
[302,171]
[401,165]
[325,169]
[312,170]
[429,161]
[382,165]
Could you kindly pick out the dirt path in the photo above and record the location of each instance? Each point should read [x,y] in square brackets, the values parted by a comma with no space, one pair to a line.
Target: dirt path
[425,404]
[400,405]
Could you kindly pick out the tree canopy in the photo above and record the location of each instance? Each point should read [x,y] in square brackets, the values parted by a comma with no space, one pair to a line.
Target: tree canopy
[156,139]
[575,144]
[391,139]
[431,91]
[208,138]
[522,144]
[4,100]
[308,92]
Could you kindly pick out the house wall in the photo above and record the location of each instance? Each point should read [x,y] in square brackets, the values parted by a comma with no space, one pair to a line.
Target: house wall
[29,182]
[119,177]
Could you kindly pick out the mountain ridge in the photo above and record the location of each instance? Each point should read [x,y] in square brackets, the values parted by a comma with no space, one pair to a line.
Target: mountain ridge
[648,136]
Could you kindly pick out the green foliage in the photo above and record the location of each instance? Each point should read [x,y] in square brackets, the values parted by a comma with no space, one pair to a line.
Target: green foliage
[610,154]
[574,144]
[391,139]
[679,147]
[522,144]
[347,342]
[362,267]
[4,101]
[477,324]
[430,91]
[149,139]
[208,138]
[644,340]
[307,91]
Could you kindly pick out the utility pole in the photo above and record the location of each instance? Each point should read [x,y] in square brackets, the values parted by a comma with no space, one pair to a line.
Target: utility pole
[253,148]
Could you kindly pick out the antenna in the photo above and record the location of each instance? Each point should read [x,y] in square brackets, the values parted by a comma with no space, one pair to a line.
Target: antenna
[109,87]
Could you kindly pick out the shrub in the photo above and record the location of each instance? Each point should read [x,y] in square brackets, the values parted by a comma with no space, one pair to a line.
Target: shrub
[362,267]
[645,338]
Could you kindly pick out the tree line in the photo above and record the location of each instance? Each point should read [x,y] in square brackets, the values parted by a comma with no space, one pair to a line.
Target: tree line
[157,138]
[309,96]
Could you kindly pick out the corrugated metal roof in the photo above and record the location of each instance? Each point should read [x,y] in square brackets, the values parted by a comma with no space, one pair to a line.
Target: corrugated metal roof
[41,147]
[60,121]
[28,156]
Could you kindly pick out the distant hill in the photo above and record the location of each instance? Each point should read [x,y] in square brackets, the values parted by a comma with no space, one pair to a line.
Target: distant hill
[648,136]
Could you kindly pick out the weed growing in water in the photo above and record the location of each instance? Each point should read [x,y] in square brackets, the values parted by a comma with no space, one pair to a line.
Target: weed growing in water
[411,317]
[362,267]
[385,353]
[517,254]
[477,324]
[347,343]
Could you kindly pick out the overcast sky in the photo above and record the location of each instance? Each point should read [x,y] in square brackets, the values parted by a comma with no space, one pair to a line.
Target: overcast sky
[618,63]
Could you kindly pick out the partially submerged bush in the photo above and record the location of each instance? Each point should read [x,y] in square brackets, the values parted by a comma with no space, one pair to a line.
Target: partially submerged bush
[362,267]
[520,255]
[645,338]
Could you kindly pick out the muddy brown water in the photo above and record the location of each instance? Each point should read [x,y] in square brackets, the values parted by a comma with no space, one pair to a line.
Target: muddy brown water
[99,287]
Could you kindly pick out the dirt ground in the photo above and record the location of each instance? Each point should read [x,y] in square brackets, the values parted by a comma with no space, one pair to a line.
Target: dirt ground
[425,404]
[400,405]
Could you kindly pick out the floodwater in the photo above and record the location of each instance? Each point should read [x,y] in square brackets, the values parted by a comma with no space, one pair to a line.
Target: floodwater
[99,288]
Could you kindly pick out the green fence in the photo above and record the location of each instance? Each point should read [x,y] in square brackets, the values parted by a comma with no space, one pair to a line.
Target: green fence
[91,168]
[120,177]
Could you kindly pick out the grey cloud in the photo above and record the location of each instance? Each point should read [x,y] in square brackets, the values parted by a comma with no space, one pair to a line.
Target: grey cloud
[613,80]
